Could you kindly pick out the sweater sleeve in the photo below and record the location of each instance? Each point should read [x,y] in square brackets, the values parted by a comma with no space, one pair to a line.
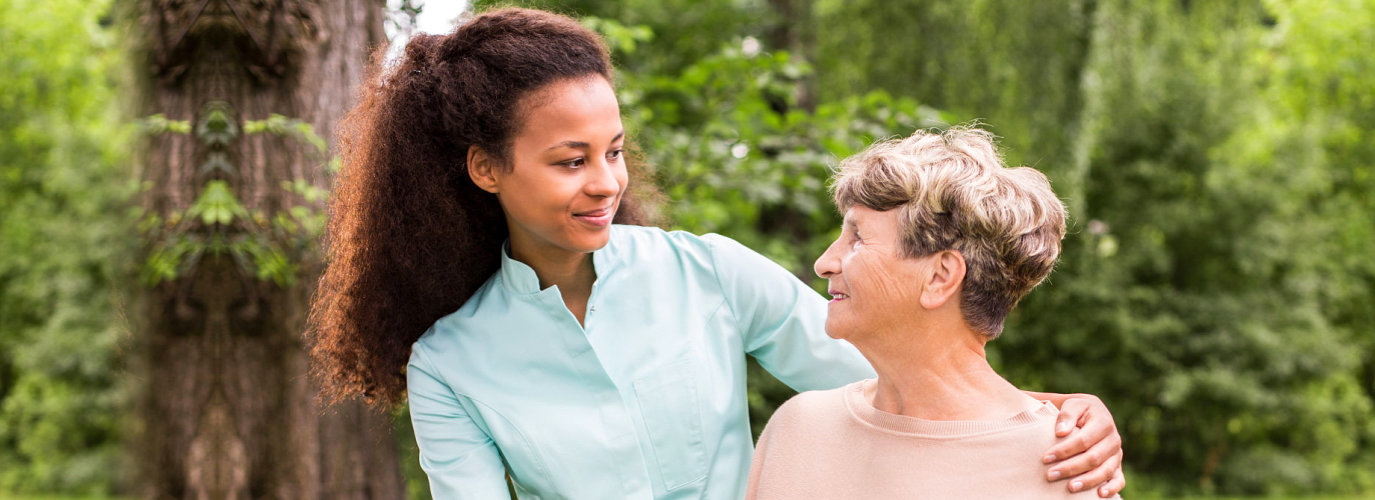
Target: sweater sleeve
[459,457]
[783,322]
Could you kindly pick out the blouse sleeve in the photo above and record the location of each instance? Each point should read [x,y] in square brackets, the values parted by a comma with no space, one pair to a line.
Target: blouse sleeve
[459,457]
[782,321]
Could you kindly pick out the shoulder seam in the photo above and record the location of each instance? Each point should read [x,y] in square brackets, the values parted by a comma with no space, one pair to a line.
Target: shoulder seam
[716,273]
[443,377]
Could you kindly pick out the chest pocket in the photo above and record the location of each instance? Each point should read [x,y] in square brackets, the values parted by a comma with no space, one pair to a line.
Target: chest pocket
[668,403]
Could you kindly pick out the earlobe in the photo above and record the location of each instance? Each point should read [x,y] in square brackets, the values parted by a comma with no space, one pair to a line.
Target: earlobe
[482,169]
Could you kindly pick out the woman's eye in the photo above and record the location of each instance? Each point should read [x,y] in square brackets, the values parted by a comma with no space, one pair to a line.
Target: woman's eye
[574,163]
[615,154]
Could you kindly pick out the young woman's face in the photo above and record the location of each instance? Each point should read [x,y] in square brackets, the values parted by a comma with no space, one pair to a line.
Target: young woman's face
[567,173]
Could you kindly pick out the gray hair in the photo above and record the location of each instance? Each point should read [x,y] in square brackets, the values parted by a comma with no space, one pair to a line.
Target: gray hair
[953,192]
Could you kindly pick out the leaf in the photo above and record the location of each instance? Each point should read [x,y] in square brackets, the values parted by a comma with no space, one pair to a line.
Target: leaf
[217,204]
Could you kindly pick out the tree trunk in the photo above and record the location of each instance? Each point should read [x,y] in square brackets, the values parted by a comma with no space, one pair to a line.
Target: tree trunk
[795,32]
[227,410]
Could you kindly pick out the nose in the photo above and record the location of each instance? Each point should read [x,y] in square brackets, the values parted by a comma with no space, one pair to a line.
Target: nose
[828,264]
[603,178]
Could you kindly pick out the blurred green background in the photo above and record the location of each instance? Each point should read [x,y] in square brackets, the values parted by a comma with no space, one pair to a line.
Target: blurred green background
[1216,290]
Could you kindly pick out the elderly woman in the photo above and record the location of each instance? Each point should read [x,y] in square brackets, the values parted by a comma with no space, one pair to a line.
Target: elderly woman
[940,241]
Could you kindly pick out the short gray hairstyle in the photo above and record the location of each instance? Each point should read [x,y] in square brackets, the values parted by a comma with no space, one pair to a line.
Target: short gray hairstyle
[954,192]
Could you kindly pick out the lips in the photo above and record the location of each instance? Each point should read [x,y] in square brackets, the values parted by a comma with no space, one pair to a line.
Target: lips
[836,296]
[600,217]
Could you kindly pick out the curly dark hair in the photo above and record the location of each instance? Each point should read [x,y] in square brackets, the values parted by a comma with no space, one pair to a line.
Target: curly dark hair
[410,237]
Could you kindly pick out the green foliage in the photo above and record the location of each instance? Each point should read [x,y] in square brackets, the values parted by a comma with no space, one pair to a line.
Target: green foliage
[684,31]
[284,126]
[737,154]
[62,239]
[270,246]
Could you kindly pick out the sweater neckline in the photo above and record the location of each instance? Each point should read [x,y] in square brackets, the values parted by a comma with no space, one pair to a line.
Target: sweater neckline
[864,411]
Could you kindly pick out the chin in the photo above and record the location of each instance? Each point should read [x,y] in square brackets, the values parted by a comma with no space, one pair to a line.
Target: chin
[835,331]
[592,242]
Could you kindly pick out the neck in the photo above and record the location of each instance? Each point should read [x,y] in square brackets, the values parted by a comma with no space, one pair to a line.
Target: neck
[570,271]
[940,374]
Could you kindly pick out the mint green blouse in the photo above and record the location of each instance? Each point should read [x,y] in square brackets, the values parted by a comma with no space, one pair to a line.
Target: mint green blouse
[647,400]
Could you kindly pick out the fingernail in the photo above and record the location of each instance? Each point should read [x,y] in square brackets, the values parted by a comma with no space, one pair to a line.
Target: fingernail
[1103,492]
[1055,474]
[1075,486]
[1062,427]
[1048,459]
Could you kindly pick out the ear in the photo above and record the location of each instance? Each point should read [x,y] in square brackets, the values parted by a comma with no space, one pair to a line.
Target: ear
[947,275]
[482,169]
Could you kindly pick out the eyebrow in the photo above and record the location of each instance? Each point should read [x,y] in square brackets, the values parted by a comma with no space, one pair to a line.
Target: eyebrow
[581,144]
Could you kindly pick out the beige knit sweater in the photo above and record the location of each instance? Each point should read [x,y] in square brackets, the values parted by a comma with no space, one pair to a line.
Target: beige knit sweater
[835,445]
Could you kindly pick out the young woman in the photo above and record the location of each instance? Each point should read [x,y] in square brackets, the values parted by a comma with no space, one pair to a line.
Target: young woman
[474,268]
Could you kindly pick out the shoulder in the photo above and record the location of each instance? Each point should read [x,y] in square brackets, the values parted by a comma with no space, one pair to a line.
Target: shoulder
[446,334]
[807,422]
[648,238]
[627,236]
[651,245]
[811,408]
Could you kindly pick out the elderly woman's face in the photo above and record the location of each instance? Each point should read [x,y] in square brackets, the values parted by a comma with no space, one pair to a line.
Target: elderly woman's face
[873,288]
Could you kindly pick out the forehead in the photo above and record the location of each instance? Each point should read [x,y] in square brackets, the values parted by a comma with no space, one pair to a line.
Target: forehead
[569,106]
[859,215]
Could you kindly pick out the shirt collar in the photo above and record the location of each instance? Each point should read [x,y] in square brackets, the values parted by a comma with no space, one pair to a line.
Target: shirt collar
[519,278]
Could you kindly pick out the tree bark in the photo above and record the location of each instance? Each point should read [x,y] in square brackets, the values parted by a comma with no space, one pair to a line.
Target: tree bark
[227,410]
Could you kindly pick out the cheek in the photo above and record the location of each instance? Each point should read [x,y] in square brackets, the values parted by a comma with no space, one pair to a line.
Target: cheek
[623,177]
[532,201]
[890,287]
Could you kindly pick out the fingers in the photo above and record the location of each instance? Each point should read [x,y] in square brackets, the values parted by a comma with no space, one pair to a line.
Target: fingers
[1091,455]
[1072,412]
[1091,468]
[1114,486]
[1093,432]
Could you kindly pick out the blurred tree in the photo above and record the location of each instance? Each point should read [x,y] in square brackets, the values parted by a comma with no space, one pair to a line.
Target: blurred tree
[61,239]
[1016,66]
[235,92]
[684,31]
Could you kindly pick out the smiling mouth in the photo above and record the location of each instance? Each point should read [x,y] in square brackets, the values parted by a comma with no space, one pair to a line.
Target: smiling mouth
[837,296]
[598,218]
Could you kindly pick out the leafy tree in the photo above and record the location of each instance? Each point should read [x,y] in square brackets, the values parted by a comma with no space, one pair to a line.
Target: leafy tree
[61,243]
[237,104]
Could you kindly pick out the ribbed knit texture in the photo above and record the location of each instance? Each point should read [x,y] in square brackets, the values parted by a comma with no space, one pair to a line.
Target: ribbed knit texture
[835,445]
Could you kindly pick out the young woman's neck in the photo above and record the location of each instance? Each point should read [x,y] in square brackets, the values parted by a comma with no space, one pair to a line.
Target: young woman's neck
[572,272]
[941,375]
